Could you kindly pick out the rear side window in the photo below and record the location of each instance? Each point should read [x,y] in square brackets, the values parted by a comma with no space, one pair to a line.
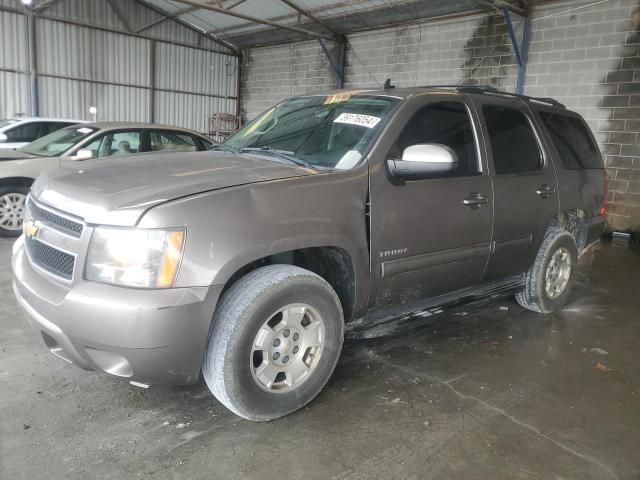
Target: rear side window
[174,141]
[513,143]
[572,141]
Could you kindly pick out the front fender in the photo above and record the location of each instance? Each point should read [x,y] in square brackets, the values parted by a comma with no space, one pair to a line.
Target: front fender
[230,228]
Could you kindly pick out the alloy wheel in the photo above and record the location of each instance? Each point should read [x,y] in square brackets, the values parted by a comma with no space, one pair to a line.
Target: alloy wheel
[558,272]
[12,210]
[287,348]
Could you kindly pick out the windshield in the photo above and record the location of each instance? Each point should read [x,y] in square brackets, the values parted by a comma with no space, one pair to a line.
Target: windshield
[58,142]
[332,131]
[7,121]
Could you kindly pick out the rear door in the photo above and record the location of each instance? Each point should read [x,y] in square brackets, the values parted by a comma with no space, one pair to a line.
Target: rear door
[524,185]
[425,240]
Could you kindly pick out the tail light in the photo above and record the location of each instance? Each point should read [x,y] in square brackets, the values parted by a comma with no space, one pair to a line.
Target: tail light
[603,206]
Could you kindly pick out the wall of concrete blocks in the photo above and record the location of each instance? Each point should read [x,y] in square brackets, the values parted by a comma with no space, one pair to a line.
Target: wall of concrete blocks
[585,54]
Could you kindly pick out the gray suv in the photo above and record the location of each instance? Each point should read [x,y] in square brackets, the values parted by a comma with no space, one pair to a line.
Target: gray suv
[327,215]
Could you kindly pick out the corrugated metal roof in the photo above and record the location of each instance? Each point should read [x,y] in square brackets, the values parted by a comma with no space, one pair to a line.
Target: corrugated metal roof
[342,16]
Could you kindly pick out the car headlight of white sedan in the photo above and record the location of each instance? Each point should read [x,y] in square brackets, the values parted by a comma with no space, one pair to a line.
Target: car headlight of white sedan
[135,257]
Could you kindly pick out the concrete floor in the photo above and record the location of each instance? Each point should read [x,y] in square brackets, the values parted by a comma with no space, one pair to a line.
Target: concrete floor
[475,394]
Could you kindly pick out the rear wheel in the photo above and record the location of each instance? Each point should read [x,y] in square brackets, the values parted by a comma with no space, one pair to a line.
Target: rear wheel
[276,337]
[549,281]
[12,205]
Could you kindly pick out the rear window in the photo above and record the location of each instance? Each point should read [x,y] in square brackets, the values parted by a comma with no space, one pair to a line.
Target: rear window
[572,141]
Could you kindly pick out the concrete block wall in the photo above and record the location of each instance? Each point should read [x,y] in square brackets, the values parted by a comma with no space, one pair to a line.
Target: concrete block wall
[585,54]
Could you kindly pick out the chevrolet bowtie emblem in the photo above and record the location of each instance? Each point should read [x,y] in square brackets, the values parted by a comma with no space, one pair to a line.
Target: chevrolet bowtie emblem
[30,229]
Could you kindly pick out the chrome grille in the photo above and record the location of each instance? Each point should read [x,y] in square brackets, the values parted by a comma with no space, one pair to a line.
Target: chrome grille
[50,259]
[55,221]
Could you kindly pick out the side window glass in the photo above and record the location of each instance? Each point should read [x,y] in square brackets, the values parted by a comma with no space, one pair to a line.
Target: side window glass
[572,141]
[513,143]
[96,146]
[117,144]
[172,141]
[52,127]
[443,123]
[206,144]
[24,133]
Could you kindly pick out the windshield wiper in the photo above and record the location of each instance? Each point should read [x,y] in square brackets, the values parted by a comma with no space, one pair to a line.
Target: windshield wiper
[279,153]
[223,147]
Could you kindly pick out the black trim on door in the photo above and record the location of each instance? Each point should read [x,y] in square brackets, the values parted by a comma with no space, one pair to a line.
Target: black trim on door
[427,260]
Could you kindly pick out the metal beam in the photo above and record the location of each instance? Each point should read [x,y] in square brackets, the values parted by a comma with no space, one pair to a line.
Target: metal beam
[235,4]
[152,81]
[339,68]
[210,36]
[33,67]
[261,21]
[522,70]
[102,28]
[305,13]
[129,85]
[520,49]
[42,6]
[510,6]
[120,15]
[293,15]
[166,17]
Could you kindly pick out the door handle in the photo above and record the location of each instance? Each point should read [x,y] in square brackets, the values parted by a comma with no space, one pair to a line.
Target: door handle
[475,200]
[545,190]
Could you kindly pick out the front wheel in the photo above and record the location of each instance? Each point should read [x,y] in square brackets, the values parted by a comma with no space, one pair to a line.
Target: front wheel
[12,206]
[275,340]
[549,281]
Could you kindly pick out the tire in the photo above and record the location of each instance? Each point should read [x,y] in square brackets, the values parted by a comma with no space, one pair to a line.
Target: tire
[285,297]
[541,293]
[12,204]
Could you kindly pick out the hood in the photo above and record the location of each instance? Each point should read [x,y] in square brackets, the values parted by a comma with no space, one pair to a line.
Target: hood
[118,190]
[14,155]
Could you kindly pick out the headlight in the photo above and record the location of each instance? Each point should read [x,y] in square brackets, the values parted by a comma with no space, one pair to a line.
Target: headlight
[146,258]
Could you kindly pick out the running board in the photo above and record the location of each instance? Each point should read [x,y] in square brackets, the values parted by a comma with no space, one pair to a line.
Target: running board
[395,320]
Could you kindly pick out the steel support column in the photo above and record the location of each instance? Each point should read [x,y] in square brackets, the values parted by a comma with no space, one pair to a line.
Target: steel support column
[33,69]
[152,81]
[521,49]
[338,68]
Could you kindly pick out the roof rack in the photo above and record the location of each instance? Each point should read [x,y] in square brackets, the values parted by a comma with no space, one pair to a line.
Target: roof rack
[494,91]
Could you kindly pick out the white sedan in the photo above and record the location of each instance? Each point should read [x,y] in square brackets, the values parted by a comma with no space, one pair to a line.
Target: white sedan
[20,131]
[19,168]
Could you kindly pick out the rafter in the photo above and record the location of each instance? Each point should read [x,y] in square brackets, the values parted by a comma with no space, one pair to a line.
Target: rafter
[42,6]
[225,11]
[205,34]
[165,18]
[123,19]
[306,13]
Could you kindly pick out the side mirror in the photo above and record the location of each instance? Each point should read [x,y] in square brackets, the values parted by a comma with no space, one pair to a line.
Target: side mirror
[83,154]
[3,138]
[423,161]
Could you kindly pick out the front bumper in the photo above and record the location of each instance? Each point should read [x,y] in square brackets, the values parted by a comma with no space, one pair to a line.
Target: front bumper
[146,336]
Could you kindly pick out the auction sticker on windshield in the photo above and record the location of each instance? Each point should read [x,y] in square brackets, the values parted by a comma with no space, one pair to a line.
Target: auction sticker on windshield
[358,119]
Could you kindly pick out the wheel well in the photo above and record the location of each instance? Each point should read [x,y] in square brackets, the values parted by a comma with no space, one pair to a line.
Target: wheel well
[576,223]
[16,181]
[333,264]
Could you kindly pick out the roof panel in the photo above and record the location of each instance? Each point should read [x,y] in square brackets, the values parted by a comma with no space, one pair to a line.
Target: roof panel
[344,16]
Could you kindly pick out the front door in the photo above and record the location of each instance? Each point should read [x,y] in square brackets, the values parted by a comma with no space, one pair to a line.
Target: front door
[524,185]
[430,236]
